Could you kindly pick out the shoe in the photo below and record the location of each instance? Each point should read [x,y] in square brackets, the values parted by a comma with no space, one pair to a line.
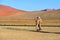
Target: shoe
[38,30]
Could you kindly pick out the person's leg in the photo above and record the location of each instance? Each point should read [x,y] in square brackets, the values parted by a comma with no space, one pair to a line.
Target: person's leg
[37,27]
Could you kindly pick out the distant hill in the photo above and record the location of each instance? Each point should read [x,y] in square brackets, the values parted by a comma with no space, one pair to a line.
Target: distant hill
[48,14]
[9,13]
[7,10]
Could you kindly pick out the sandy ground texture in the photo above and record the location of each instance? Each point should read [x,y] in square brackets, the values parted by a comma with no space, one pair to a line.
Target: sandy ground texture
[29,33]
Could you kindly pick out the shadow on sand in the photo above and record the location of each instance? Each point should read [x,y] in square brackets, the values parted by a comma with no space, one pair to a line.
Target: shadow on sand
[18,29]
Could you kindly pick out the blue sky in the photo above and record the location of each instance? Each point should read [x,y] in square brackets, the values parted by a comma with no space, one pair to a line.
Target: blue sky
[30,5]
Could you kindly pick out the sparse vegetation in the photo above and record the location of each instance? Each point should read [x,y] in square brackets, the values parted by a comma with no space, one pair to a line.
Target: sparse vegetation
[28,22]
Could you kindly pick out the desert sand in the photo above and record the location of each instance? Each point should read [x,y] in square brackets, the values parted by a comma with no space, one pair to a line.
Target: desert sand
[29,33]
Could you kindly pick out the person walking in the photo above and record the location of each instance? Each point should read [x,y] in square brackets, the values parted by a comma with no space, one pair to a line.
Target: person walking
[38,23]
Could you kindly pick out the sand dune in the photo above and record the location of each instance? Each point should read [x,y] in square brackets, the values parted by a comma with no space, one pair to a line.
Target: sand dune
[7,12]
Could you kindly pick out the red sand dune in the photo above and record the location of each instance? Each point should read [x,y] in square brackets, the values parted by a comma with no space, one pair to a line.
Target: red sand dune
[7,10]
